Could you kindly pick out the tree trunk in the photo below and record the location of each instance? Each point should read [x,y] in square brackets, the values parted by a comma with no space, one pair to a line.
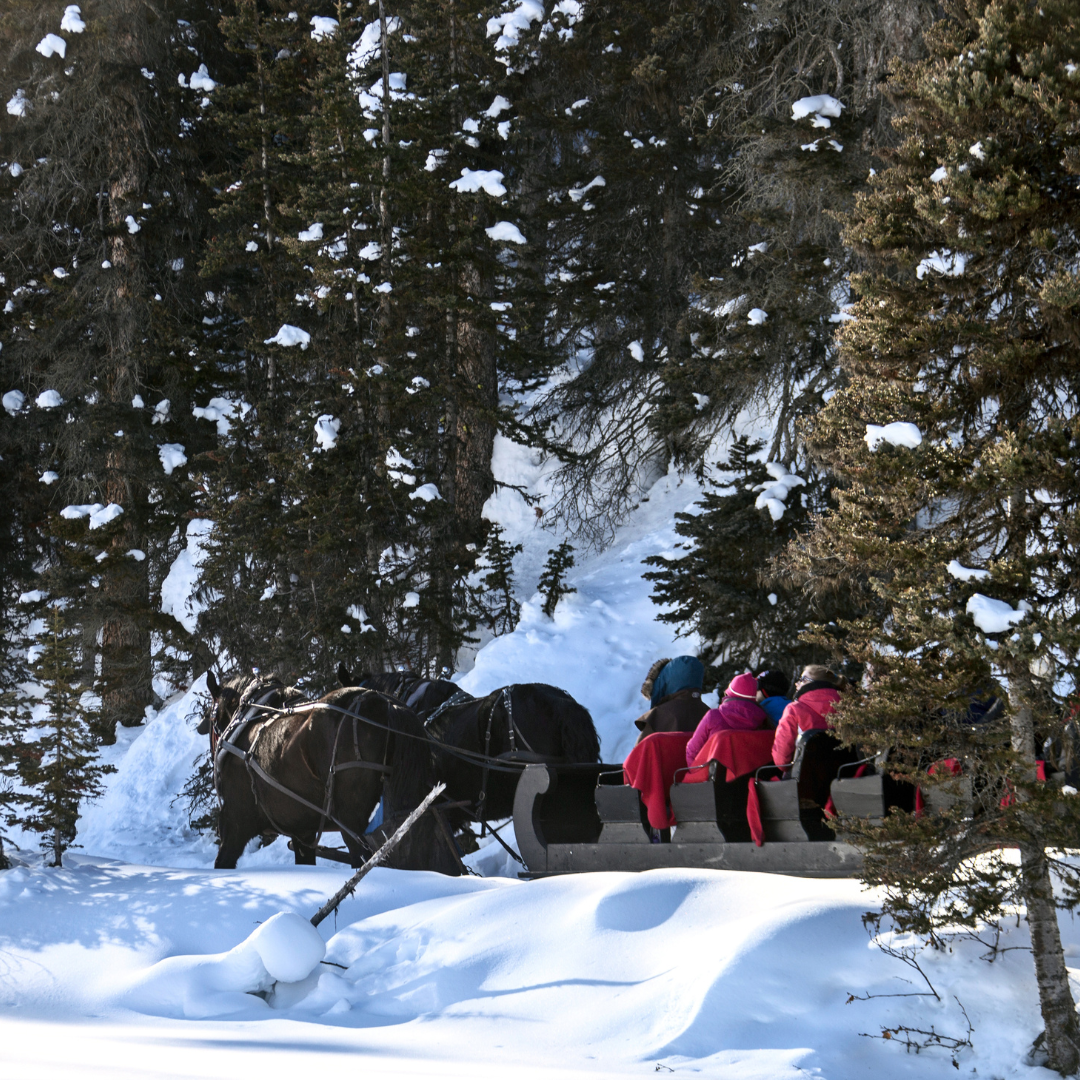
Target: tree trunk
[1055,994]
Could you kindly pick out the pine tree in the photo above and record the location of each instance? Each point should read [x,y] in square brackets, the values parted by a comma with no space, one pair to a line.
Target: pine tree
[727,587]
[552,585]
[958,533]
[56,763]
[499,608]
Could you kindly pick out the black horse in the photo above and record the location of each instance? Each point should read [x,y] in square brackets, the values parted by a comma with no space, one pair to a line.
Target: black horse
[319,765]
[480,745]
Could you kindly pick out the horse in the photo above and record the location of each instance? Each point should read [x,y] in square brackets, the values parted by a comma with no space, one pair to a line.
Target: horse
[480,745]
[318,765]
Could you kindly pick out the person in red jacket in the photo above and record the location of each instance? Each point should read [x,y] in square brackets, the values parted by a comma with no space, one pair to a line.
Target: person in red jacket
[738,711]
[817,690]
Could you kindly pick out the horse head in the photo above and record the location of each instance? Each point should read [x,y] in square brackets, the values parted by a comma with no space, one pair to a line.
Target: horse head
[348,679]
[228,700]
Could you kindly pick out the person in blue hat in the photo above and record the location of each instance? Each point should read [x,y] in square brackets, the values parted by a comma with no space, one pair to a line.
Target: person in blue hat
[673,687]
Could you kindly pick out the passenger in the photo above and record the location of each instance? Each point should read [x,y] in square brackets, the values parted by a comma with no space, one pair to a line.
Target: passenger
[738,711]
[772,694]
[674,691]
[817,690]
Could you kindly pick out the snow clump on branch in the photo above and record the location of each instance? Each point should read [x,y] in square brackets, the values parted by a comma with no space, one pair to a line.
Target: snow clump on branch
[820,106]
[895,434]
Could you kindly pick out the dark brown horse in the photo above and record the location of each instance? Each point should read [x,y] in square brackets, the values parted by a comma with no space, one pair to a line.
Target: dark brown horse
[506,730]
[321,765]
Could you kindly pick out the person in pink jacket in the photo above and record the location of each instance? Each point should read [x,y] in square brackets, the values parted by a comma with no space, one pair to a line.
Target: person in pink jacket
[738,711]
[817,690]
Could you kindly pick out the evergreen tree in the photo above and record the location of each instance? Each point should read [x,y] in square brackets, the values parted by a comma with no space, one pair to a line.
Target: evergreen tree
[958,534]
[727,587]
[498,607]
[552,585]
[57,765]
[99,324]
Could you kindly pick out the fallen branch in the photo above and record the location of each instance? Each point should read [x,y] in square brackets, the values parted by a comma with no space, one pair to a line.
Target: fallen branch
[379,856]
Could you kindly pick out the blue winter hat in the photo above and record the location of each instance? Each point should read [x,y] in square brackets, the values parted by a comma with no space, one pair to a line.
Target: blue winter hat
[682,673]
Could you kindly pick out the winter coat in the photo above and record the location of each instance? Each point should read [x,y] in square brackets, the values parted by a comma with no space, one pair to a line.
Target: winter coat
[806,713]
[774,707]
[677,712]
[733,714]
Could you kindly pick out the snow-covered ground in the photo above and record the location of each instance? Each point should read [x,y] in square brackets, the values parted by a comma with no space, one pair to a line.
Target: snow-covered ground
[134,960]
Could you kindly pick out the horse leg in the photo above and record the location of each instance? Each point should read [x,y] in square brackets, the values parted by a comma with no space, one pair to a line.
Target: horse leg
[304,850]
[358,853]
[234,838]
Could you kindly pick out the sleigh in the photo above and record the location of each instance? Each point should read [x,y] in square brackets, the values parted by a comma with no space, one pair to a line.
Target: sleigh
[578,818]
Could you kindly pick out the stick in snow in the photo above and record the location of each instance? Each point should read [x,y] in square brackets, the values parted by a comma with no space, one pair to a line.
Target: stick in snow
[378,857]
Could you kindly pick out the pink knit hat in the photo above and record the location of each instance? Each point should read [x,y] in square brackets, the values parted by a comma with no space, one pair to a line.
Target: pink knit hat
[742,686]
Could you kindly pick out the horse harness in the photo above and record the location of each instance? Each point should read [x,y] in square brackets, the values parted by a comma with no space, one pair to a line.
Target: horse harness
[226,743]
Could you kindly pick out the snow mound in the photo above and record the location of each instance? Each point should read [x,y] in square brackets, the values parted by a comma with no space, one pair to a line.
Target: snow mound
[72,22]
[507,232]
[13,401]
[51,45]
[473,180]
[48,399]
[899,433]
[995,616]
[288,335]
[285,948]
[172,457]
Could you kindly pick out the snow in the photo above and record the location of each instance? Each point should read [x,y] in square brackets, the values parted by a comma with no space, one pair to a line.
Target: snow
[288,336]
[222,410]
[312,233]
[368,48]
[137,402]
[965,573]
[939,174]
[178,597]
[72,23]
[898,433]
[773,496]
[322,26]
[161,412]
[427,492]
[756,317]
[949,263]
[499,105]
[172,457]
[977,151]
[411,600]
[472,180]
[820,106]
[326,432]
[49,477]
[98,514]
[137,959]
[636,351]
[506,231]
[995,616]
[200,80]
[509,24]
[18,104]
[578,193]
[51,45]
[357,612]
[132,225]
[13,402]
[48,399]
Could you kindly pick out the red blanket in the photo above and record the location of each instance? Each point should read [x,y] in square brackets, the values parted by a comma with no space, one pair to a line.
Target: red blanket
[650,767]
[652,764]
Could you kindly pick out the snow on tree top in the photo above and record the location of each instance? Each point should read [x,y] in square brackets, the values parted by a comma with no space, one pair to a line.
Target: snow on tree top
[820,106]
[506,231]
[326,432]
[288,336]
[72,22]
[510,24]
[52,45]
[427,492]
[995,616]
[896,434]
[322,26]
[966,573]
[472,180]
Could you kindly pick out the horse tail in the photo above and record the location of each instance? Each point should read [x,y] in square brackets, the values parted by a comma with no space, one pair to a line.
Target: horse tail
[580,741]
[563,726]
